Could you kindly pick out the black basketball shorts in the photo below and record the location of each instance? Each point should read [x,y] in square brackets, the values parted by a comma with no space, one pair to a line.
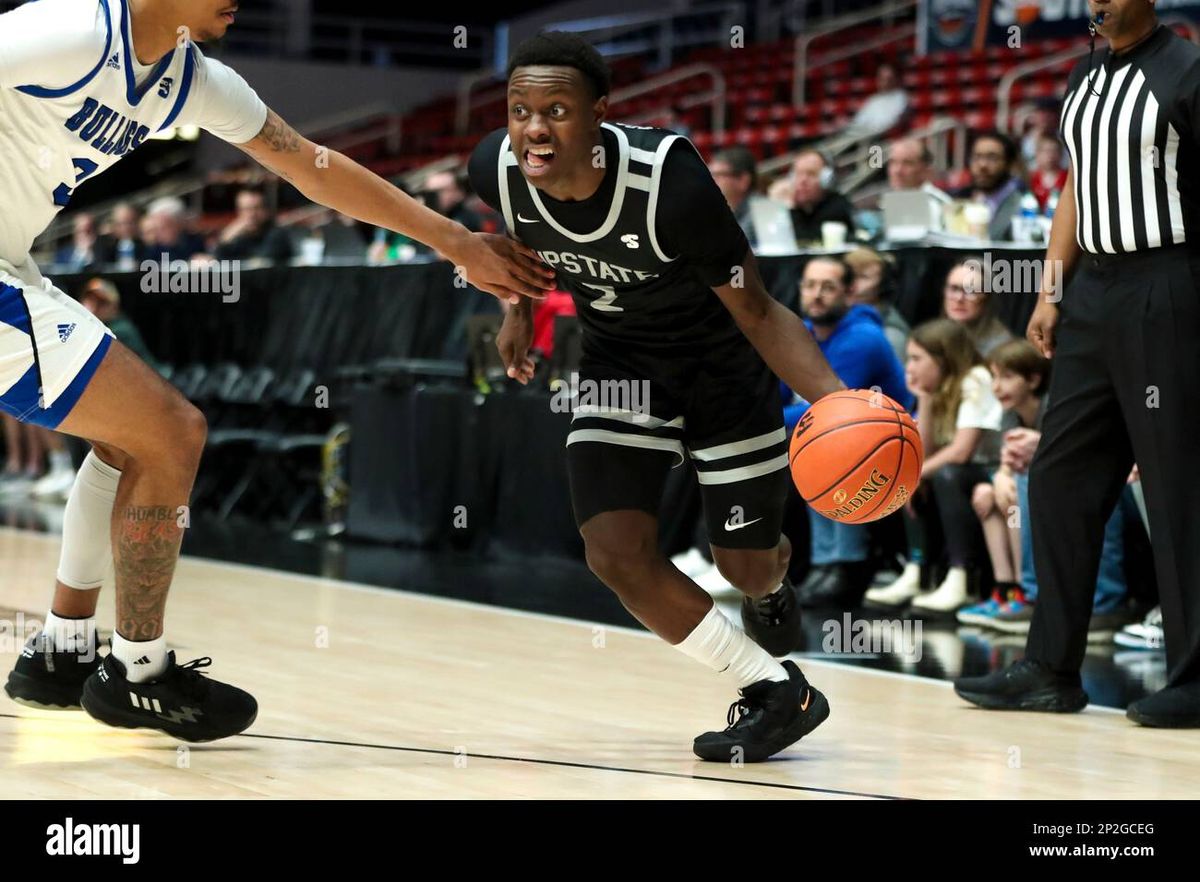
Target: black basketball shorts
[634,419]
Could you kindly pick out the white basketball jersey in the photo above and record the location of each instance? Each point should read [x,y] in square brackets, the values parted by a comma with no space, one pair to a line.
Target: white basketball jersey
[74,100]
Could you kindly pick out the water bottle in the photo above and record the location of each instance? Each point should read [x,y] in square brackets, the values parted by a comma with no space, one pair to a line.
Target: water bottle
[1052,203]
[1026,226]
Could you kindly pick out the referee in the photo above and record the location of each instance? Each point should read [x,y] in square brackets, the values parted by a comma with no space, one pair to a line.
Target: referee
[1125,339]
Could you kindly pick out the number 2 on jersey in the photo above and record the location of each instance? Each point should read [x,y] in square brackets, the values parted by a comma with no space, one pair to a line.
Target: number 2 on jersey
[607,302]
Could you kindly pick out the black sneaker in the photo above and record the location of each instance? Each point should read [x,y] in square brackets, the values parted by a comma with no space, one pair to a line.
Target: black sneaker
[1176,707]
[1025,685]
[182,702]
[49,678]
[767,718]
[773,622]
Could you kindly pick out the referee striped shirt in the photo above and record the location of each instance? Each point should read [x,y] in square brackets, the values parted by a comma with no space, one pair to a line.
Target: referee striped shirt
[1131,123]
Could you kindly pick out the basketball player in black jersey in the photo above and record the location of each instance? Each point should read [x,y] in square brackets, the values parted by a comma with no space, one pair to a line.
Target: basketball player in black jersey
[673,311]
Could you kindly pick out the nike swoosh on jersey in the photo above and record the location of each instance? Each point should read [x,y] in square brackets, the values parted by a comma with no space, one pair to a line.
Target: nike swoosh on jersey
[731,527]
[526,220]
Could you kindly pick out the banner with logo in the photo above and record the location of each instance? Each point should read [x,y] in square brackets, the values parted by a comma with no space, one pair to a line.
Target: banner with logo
[963,25]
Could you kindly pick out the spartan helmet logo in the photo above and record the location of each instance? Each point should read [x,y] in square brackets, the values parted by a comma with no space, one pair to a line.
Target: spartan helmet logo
[839,497]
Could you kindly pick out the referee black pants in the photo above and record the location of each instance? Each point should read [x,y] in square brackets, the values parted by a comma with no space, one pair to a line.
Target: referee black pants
[1125,388]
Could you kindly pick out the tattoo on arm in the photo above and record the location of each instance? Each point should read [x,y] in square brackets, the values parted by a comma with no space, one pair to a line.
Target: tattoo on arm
[278,135]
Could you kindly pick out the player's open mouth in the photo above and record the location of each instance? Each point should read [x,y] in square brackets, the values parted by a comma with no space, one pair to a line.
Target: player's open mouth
[227,17]
[538,158]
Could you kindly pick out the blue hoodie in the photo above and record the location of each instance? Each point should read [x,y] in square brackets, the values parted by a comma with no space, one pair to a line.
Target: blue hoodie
[861,356]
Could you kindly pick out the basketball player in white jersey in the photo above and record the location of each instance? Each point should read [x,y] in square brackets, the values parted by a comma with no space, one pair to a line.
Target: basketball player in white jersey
[82,83]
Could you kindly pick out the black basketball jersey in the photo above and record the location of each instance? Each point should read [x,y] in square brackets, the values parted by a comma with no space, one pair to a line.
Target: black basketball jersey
[628,267]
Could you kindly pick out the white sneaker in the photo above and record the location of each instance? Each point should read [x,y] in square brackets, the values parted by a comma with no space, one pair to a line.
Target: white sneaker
[714,583]
[55,485]
[1146,634]
[906,586]
[691,563]
[947,597]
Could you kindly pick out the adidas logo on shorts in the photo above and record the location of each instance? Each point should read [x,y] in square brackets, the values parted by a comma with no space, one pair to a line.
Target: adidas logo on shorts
[114,62]
[64,332]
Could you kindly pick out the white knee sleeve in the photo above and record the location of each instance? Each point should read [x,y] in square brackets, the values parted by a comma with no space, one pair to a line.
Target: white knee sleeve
[87,525]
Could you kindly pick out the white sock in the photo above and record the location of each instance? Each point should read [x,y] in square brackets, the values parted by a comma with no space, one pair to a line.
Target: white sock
[87,525]
[60,461]
[69,635]
[722,646]
[143,659]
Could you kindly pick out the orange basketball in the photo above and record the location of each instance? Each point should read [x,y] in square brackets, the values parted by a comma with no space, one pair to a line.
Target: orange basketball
[856,456]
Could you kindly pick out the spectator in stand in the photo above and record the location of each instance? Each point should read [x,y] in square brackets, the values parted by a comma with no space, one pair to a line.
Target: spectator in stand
[165,229]
[1044,121]
[965,300]
[735,172]
[875,286]
[814,201]
[1048,176]
[910,167]
[959,419]
[341,238]
[253,234]
[884,110]
[994,182]
[446,193]
[121,245]
[1020,381]
[852,340]
[102,299]
[81,253]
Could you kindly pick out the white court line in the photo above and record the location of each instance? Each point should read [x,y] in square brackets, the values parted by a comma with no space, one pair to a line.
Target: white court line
[520,613]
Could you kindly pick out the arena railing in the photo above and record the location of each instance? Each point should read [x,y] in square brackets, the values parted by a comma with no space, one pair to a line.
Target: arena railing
[801,65]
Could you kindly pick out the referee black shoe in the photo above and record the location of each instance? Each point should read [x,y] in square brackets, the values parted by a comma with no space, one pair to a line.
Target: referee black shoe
[181,702]
[1025,685]
[49,678]
[770,716]
[773,622]
[1176,707]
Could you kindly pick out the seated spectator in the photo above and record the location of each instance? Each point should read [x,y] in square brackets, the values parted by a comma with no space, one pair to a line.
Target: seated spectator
[446,193]
[1048,176]
[1020,380]
[735,172]
[875,286]
[965,301]
[1020,376]
[851,338]
[165,230]
[253,234]
[81,252]
[341,238]
[994,182]
[959,420]
[102,299]
[884,110]
[1043,122]
[121,245]
[813,200]
[910,167]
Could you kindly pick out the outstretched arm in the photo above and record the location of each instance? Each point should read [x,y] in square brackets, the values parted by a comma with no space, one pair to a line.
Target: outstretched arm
[492,263]
[778,334]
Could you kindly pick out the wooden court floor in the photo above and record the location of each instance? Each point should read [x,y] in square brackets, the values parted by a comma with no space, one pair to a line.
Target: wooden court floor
[370,693]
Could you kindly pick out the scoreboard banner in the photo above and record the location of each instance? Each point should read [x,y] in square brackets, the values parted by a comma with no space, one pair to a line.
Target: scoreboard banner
[959,25]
